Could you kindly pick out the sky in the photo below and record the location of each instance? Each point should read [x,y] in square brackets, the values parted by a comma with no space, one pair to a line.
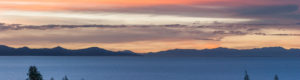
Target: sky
[150,25]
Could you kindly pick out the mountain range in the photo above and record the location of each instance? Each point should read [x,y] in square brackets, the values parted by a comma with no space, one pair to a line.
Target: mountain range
[226,52]
[95,51]
[59,51]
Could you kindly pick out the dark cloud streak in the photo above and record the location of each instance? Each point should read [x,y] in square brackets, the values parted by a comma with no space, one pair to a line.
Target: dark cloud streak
[267,10]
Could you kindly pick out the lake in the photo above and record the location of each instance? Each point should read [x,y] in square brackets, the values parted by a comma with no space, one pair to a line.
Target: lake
[152,68]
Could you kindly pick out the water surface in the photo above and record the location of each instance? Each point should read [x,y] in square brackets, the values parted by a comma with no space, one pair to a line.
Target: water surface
[152,68]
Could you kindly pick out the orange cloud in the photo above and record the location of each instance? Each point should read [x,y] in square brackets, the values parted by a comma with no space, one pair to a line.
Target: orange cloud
[47,5]
[118,2]
[81,4]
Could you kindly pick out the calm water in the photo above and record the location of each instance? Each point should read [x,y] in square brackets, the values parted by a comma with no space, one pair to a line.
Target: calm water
[152,68]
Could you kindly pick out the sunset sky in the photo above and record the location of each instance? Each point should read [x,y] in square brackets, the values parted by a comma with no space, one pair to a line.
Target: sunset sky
[150,25]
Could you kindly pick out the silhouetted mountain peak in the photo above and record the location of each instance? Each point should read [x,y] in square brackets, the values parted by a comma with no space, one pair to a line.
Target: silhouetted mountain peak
[24,48]
[4,46]
[94,48]
[126,51]
[58,48]
[273,48]
[220,48]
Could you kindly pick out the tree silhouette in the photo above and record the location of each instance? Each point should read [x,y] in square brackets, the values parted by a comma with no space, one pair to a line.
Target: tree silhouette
[246,76]
[276,77]
[65,78]
[52,78]
[34,74]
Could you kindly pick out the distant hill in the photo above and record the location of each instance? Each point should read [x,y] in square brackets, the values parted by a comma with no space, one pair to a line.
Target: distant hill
[226,52]
[95,51]
[59,51]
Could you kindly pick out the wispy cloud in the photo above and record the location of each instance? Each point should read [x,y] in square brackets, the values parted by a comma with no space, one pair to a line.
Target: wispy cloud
[113,18]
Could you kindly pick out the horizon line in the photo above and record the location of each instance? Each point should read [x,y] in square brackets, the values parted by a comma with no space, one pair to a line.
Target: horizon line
[149,52]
